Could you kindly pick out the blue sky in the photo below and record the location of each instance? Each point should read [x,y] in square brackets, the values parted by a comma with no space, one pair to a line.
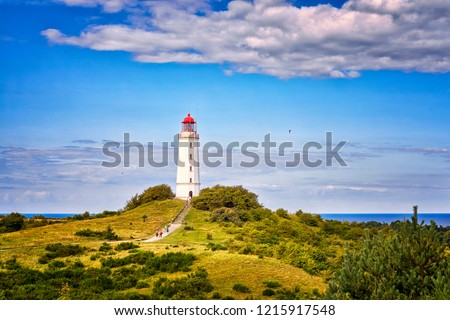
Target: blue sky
[77,73]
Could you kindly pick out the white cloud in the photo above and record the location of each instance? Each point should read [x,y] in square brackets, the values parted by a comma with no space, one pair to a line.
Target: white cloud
[276,38]
[35,195]
[108,5]
[354,188]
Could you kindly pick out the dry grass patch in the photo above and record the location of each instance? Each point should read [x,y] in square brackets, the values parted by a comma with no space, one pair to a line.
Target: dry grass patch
[226,269]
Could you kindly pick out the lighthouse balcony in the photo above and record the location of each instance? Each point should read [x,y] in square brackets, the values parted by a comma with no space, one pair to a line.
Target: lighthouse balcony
[188,134]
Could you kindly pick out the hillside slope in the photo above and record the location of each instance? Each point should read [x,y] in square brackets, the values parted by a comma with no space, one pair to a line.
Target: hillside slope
[250,275]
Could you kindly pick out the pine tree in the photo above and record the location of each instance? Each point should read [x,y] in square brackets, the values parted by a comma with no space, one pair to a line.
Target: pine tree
[410,263]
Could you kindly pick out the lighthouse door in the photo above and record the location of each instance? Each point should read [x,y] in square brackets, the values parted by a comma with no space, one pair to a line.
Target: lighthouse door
[190,194]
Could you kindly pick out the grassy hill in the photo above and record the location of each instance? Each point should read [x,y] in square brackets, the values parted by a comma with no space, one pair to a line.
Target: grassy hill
[229,247]
[213,245]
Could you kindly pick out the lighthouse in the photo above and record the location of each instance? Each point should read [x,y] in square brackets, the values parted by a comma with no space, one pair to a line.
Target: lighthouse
[188,175]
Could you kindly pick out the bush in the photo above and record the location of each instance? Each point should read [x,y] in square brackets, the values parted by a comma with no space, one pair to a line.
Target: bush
[126,246]
[239,287]
[410,263]
[57,264]
[168,262]
[142,284]
[268,292]
[12,222]
[312,220]
[105,213]
[105,247]
[229,197]
[160,192]
[188,228]
[80,283]
[272,284]
[89,233]
[11,264]
[108,234]
[140,258]
[172,262]
[192,287]
[282,213]
[58,250]
[216,246]
[228,215]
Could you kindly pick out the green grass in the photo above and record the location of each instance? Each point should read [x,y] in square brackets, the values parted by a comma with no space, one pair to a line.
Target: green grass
[27,245]
[225,268]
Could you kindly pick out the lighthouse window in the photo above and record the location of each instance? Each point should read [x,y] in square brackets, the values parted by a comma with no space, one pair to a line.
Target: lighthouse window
[190,157]
[190,180]
[190,144]
[190,168]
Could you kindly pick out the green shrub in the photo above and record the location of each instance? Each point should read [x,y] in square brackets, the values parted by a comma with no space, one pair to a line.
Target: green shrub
[192,287]
[105,247]
[228,197]
[227,215]
[216,246]
[409,263]
[268,292]
[140,258]
[272,284]
[216,295]
[312,220]
[168,262]
[282,213]
[95,257]
[89,233]
[239,287]
[142,284]
[293,294]
[58,250]
[160,192]
[108,234]
[12,222]
[188,228]
[57,264]
[105,214]
[11,264]
[126,246]
[172,262]
[80,283]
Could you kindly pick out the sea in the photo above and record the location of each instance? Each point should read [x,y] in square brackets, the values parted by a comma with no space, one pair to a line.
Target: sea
[442,219]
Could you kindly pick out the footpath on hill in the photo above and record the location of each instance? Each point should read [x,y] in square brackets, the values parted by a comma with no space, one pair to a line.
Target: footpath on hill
[177,222]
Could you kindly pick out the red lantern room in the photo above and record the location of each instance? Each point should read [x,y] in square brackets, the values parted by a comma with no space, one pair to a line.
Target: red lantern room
[188,124]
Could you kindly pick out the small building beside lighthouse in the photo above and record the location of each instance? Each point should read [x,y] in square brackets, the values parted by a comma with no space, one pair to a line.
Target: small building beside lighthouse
[188,175]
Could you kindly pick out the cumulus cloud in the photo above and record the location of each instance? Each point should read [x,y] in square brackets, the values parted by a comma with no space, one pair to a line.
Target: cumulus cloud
[276,38]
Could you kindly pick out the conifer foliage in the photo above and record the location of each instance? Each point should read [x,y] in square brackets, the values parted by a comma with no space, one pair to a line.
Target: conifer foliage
[410,263]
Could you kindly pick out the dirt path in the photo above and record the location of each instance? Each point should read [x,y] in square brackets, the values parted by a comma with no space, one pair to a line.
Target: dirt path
[174,226]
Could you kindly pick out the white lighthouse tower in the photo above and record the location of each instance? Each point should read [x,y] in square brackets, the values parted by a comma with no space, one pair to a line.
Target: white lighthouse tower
[188,175]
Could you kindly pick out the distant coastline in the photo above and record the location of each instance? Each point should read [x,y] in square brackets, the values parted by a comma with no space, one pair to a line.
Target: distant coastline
[442,219]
